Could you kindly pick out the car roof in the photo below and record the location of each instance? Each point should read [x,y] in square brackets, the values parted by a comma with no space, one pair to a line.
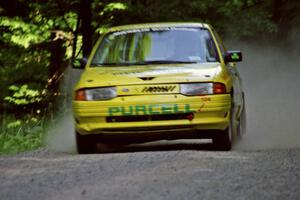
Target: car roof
[158,25]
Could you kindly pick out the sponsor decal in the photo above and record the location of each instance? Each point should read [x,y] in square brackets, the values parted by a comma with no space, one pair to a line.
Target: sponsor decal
[235,56]
[153,109]
[125,32]
[154,89]
[204,100]
[155,72]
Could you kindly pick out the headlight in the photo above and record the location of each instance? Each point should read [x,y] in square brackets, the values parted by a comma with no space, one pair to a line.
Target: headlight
[194,89]
[96,94]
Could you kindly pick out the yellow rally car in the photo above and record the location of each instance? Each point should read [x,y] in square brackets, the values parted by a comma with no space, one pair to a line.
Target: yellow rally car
[155,81]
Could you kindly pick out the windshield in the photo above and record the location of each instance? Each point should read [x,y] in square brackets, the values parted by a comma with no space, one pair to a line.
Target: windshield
[156,46]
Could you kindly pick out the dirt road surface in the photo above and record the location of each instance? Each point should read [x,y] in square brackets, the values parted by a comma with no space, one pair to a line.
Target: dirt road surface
[264,165]
[154,174]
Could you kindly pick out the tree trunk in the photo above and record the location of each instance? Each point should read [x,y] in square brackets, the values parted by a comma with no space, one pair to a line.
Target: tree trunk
[86,28]
[57,66]
[281,20]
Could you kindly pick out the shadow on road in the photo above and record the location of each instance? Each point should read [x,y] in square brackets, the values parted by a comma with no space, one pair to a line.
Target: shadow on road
[154,146]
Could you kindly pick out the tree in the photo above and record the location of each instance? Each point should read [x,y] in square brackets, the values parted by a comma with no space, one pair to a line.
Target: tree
[85,15]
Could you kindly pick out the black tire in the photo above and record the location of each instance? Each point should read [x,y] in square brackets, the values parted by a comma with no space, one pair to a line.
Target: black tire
[85,144]
[222,141]
[224,138]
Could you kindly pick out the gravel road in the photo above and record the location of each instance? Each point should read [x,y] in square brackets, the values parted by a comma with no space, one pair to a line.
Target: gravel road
[264,165]
[182,172]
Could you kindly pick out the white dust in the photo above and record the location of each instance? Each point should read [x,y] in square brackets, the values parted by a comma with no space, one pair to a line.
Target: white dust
[271,77]
[61,135]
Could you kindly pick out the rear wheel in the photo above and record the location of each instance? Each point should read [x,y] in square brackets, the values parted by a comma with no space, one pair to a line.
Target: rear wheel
[85,144]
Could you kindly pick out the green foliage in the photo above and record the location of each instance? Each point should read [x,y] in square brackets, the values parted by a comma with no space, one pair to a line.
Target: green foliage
[114,6]
[14,124]
[23,95]
[18,135]
[106,14]
[24,34]
[237,19]
[21,67]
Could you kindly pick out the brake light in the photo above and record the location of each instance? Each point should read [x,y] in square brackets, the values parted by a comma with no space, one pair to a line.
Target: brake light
[219,88]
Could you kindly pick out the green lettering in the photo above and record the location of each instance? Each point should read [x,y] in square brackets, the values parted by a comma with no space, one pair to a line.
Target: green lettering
[166,109]
[124,112]
[113,110]
[187,108]
[139,109]
[176,109]
[151,111]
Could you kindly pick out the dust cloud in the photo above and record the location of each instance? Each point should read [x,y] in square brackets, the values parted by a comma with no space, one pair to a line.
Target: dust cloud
[271,82]
[61,135]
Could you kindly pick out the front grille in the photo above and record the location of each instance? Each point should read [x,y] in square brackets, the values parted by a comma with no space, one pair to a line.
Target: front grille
[141,118]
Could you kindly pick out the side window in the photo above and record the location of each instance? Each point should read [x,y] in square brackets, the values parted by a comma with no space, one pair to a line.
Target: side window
[211,54]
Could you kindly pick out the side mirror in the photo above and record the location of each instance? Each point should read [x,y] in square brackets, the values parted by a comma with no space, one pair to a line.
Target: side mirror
[233,56]
[79,63]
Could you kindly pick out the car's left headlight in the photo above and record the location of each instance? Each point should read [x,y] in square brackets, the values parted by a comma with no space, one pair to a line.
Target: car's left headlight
[96,94]
[194,89]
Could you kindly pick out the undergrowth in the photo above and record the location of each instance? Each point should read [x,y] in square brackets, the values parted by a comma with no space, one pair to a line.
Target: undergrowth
[17,135]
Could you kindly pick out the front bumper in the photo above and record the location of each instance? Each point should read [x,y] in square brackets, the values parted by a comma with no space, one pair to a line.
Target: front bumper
[132,114]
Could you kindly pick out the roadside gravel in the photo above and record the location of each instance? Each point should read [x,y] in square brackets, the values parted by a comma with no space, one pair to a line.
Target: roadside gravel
[176,173]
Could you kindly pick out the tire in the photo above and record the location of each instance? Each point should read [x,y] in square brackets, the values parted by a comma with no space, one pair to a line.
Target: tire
[224,138]
[222,141]
[85,144]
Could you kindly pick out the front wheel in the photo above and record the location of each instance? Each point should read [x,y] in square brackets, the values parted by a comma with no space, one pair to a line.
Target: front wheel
[223,140]
[85,144]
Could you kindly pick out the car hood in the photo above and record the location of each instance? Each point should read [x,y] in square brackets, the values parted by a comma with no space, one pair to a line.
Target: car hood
[149,74]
